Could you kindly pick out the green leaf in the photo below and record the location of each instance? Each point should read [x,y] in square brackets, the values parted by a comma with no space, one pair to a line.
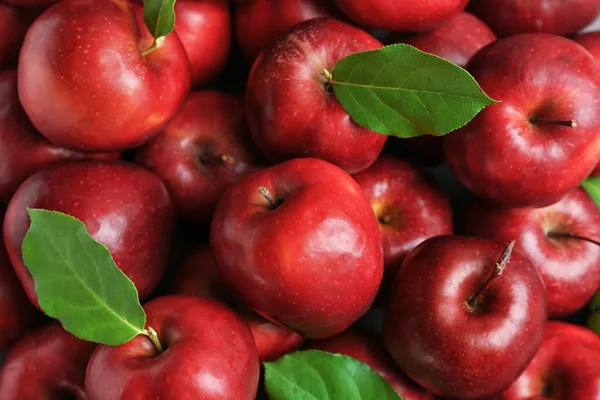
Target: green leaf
[78,282]
[159,17]
[318,375]
[594,320]
[401,91]
[592,186]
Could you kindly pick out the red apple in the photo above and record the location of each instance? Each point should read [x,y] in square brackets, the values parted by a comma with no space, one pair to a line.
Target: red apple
[414,16]
[199,276]
[465,318]
[409,206]
[559,17]
[47,363]
[17,314]
[85,83]
[208,354]
[551,238]
[299,244]
[14,22]
[123,206]
[565,368]
[368,348]
[291,111]
[542,140]
[202,151]
[23,150]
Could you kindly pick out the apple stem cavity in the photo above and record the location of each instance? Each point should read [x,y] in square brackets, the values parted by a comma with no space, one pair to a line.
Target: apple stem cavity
[227,159]
[498,271]
[328,84]
[537,120]
[151,333]
[562,235]
[156,44]
[264,192]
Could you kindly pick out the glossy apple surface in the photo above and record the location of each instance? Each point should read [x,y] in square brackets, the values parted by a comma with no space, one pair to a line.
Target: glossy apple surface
[299,244]
[298,116]
[123,206]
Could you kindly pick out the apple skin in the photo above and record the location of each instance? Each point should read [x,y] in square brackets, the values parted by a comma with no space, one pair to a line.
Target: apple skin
[558,17]
[445,345]
[14,22]
[210,355]
[409,206]
[367,347]
[565,367]
[570,267]
[504,157]
[315,262]
[23,150]
[396,15]
[259,22]
[297,116]
[186,155]
[86,86]
[199,276]
[123,206]
[47,363]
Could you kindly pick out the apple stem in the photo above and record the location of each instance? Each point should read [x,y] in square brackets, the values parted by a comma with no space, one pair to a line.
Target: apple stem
[560,235]
[154,46]
[328,80]
[540,120]
[151,333]
[498,271]
[267,195]
[227,159]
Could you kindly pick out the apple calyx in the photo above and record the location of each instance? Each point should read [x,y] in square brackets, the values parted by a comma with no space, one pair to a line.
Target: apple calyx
[156,44]
[273,203]
[153,336]
[563,235]
[537,120]
[499,268]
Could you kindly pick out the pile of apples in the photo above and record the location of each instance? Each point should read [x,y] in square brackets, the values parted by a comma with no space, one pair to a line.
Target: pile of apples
[256,218]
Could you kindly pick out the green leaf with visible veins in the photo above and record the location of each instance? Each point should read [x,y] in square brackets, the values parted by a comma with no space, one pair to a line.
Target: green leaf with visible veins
[78,282]
[594,320]
[592,186]
[401,91]
[159,17]
[318,375]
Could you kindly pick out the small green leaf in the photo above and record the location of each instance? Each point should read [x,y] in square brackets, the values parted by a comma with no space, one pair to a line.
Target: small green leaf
[317,375]
[594,320]
[592,186]
[401,91]
[77,281]
[159,17]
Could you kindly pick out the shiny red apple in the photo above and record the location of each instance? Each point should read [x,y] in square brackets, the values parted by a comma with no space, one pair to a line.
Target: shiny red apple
[86,82]
[292,112]
[123,206]
[299,244]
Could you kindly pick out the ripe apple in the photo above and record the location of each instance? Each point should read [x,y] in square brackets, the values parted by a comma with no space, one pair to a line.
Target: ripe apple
[591,42]
[202,151]
[123,206]
[559,17]
[566,367]
[553,238]
[291,111]
[541,141]
[259,22]
[23,150]
[367,347]
[299,244]
[208,354]
[465,318]
[47,363]
[14,22]
[199,276]
[412,16]
[409,206]
[85,82]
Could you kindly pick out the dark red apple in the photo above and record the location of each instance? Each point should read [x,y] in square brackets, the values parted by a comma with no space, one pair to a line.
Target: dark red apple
[259,22]
[465,318]
[123,206]
[559,17]
[85,82]
[23,150]
[413,16]
[199,276]
[47,363]
[17,314]
[542,140]
[202,151]
[299,244]
[291,111]
[552,238]
[14,22]
[566,367]
[208,354]
[367,347]
[409,206]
